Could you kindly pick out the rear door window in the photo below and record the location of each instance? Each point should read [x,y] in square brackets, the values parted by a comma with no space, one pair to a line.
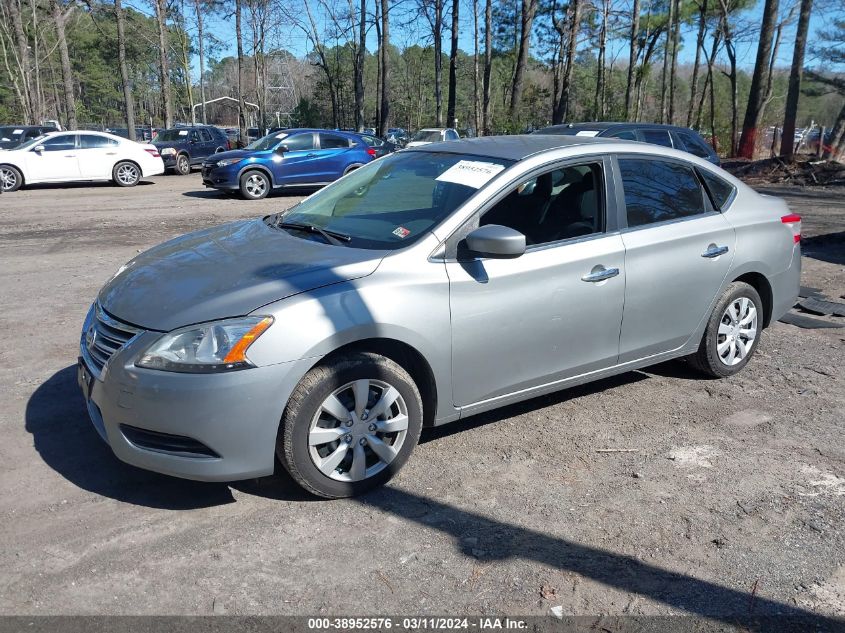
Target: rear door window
[659,191]
[625,135]
[332,141]
[656,137]
[205,135]
[93,141]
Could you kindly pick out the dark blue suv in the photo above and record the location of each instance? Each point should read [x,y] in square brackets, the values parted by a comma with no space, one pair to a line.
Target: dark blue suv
[183,147]
[288,158]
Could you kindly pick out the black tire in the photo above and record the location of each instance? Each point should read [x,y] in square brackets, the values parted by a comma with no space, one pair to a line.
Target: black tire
[126,174]
[11,178]
[707,359]
[183,165]
[255,185]
[292,446]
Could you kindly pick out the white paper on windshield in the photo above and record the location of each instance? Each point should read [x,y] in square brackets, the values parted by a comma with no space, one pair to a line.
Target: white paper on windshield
[16,132]
[587,133]
[183,132]
[470,173]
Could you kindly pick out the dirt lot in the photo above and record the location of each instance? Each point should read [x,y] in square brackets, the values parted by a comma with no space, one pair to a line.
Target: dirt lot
[731,502]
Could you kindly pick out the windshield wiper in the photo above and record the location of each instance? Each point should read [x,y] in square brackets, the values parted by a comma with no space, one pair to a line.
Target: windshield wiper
[332,237]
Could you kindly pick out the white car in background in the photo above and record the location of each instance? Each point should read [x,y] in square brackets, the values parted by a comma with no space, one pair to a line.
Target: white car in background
[78,156]
[433,135]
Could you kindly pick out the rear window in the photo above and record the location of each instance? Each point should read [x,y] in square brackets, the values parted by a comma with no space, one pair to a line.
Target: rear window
[332,141]
[658,191]
[694,144]
[720,190]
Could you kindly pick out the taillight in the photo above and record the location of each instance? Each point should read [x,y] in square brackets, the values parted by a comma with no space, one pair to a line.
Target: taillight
[153,152]
[371,151]
[793,220]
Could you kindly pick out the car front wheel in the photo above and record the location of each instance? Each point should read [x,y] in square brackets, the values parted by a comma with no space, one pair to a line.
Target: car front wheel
[255,185]
[126,174]
[732,333]
[10,178]
[183,165]
[350,425]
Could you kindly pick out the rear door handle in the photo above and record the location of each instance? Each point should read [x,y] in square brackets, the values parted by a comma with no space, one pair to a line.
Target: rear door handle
[714,251]
[111,153]
[600,275]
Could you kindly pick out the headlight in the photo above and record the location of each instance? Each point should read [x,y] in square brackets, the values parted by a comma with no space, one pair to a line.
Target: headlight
[167,151]
[228,161]
[209,347]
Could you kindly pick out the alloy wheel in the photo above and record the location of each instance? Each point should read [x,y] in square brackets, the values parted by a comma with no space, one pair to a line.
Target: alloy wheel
[358,430]
[183,165]
[127,174]
[256,185]
[737,331]
[8,179]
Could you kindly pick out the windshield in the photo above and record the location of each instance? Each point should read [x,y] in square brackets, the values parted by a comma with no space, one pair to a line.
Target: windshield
[268,142]
[31,142]
[393,202]
[427,135]
[10,133]
[168,136]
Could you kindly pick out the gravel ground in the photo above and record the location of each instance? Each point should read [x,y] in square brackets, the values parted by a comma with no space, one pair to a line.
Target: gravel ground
[730,501]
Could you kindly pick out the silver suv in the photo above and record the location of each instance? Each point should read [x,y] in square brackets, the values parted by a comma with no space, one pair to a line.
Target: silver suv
[428,286]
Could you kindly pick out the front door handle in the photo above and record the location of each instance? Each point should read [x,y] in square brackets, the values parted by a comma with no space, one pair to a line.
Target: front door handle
[600,273]
[111,153]
[714,251]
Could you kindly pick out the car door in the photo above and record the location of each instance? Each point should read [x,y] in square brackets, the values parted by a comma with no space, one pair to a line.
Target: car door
[97,156]
[678,251]
[296,165]
[552,313]
[57,162]
[333,155]
[206,143]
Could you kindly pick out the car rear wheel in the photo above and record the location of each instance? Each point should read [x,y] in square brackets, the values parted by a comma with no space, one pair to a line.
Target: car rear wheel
[352,168]
[255,185]
[126,174]
[350,425]
[10,178]
[732,333]
[183,165]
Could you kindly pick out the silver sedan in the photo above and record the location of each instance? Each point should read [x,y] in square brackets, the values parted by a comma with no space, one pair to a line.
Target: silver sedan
[430,285]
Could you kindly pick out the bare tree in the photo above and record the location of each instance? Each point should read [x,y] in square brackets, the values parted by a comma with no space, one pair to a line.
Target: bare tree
[529,8]
[198,10]
[795,75]
[599,100]
[240,43]
[128,102]
[453,65]
[487,126]
[384,121]
[59,18]
[667,61]
[561,111]
[756,96]
[699,48]
[634,56]
[360,51]
[163,70]
[24,63]
[476,96]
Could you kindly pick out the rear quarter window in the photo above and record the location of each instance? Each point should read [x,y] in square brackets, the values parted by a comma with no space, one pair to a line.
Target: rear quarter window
[720,191]
[656,137]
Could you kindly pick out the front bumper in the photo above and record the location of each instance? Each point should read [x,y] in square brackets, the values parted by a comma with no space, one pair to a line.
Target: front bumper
[220,177]
[235,414]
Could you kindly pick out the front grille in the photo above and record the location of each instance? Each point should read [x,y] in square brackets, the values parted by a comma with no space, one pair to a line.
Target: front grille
[104,336]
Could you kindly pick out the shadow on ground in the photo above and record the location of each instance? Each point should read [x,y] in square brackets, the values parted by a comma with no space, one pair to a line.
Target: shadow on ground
[829,247]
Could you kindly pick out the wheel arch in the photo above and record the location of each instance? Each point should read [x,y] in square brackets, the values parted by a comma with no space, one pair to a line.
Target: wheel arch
[761,284]
[18,169]
[257,167]
[404,355]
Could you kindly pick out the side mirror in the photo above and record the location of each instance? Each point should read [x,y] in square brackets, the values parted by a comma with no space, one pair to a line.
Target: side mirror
[281,149]
[38,148]
[496,241]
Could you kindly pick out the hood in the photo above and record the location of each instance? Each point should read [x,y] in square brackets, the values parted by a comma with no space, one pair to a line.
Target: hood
[226,271]
[234,153]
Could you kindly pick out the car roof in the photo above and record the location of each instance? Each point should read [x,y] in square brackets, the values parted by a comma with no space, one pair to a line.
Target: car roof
[514,147]
[608,125]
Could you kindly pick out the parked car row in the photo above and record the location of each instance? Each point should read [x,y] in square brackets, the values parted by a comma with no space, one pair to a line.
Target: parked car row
[300,157]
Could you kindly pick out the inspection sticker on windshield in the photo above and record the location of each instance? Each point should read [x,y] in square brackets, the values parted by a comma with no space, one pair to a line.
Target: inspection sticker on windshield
[401,232]
[470,173]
